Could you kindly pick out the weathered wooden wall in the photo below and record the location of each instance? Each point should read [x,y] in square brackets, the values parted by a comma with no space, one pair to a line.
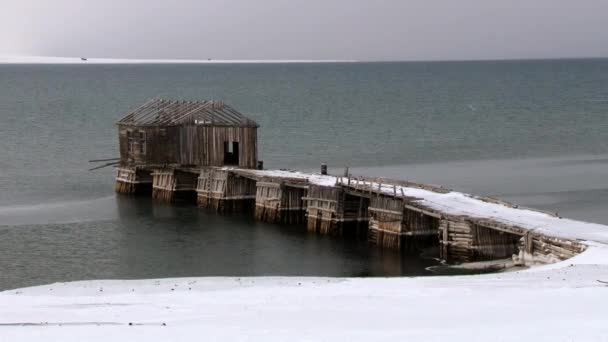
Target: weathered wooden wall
[393,224]
[188,145]
[204,145]
[131,180]
[268,201]
[456,240]
[385,225]
[169,185]
[489,244]
[162,145]
[279,202]
[323,209]
[225,191]
[465,240]
[293,207]
[536,248]
[355,215]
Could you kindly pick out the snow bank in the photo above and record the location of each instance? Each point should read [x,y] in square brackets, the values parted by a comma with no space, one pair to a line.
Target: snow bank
[558,302]
[566,303]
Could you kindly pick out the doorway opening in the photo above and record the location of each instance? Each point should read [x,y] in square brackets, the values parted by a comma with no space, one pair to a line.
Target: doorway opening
[231,153]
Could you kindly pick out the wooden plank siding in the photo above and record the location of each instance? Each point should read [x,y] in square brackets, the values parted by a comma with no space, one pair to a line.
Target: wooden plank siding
[133,181]
[187,145]
[169,185]
[394,225]
[224,191]
[278,202]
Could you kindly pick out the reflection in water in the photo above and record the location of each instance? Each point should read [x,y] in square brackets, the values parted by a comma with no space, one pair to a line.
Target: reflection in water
[144,239]
[124,237]
[59,212]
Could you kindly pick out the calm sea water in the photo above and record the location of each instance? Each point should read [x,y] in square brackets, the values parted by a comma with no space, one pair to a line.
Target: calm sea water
[534,132]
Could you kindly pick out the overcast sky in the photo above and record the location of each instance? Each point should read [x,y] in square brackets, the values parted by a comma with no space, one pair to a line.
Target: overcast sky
[306,29]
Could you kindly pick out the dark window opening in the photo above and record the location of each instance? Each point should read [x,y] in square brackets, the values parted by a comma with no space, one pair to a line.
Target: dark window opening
[130,142]
[142,142]
[231,153]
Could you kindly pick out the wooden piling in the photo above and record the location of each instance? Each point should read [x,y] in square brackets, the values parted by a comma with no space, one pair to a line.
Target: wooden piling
[278,201]
[224,191]
[353,206]
[171,185]
[392,225]
[133,181]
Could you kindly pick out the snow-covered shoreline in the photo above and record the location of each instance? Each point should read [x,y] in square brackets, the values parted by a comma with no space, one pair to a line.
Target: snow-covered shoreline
[558,302]
[77,60]
[564,301]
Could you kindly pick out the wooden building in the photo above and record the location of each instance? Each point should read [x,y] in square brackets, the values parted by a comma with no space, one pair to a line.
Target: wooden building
[164,143]
[178,150]
[187,134]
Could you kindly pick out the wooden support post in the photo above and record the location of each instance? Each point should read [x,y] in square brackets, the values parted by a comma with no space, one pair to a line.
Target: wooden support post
[445,241]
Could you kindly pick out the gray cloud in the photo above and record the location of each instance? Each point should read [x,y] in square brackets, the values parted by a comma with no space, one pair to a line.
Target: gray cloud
[311,29]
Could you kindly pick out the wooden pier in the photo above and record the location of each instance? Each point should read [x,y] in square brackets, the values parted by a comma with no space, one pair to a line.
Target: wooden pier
[377,210]
[205,153]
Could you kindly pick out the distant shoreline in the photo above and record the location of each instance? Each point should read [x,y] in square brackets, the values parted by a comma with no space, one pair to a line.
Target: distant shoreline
[24,60]
[79,60]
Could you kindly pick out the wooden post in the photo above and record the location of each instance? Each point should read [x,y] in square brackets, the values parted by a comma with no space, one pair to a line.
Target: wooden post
[346,172]
[445,242]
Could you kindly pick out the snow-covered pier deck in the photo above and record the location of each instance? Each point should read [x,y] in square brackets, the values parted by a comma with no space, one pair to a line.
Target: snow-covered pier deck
[207,151]
[390,213]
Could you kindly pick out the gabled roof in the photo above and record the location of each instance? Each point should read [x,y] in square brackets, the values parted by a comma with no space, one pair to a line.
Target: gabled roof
[161,112]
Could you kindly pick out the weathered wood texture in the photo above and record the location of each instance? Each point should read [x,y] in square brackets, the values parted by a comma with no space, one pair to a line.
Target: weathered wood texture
[536,248]
[225,192]
[489,244]
[187,145]
[366,184]
[133,181]
[279,202]
[355,216]
[351,208]
[323,209]
[466,240]
[331,210]
[456,240]
[392,225]
[170,185]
